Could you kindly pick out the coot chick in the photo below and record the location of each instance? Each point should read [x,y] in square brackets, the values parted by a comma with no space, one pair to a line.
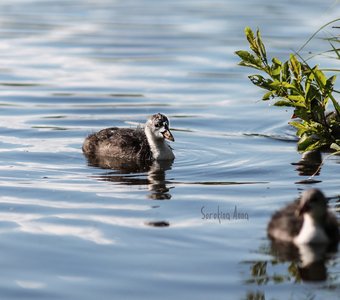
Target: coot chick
[133,144]
[305,221]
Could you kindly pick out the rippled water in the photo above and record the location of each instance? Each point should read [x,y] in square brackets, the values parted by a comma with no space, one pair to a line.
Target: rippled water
[77,229]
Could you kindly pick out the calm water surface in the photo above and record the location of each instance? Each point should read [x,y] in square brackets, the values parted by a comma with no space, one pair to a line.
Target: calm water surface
[77,229]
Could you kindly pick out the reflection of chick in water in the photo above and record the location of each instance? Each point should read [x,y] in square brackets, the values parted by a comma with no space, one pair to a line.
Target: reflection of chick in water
[157,180]
[126,172]
[310,259]
[313,258]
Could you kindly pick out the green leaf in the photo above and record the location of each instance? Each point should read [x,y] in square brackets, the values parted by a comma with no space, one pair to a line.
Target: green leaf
[285,72]
[250,65]
[318,112]
[298,100]
[261,47]
[298,125]
[305,142]
[276,69]
[320,78]
[335,104]
[315,146]
[314,94]
[301,128]
[302,113]
[308,82]
[268,96]
[295,67]
[329,88]
[276,61]
[330,82]
[249,60]
[335,146]
[282,84]
[284,102]
[252,42]
[243,54]
[260,81]
[249,34]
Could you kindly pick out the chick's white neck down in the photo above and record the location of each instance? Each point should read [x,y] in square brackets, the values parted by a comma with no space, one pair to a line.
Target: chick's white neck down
[159,147]
[311,232]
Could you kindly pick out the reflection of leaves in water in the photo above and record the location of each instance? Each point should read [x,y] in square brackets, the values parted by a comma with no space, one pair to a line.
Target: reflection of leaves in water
[260,274]
[259,271]
[255,296]
[149,173]
[304,263]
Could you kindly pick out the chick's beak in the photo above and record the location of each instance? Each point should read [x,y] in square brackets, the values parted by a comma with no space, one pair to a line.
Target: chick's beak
[168,135]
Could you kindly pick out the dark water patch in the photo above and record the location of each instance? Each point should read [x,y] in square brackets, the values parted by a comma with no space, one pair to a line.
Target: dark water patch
[217,183]
[62,94]
[54,117]
[308,181]
[16,84]
[126,95]
[8,104]
[156,224]
[286,138]
[214,76]
[50,127]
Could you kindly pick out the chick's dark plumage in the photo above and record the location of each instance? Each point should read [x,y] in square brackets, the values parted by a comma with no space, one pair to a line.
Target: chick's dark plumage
[110,142]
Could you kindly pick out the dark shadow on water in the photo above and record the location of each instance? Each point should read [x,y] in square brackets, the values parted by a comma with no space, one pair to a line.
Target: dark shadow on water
[149,173]
[309,165]
[277,137]
[218,182]
[119,166]
[159,224]
[23,84]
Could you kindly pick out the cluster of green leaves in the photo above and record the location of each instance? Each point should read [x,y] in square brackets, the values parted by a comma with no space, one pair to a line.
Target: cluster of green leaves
[294,83]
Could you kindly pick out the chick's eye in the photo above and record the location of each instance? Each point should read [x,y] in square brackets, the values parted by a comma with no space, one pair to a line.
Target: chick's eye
[157,125]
